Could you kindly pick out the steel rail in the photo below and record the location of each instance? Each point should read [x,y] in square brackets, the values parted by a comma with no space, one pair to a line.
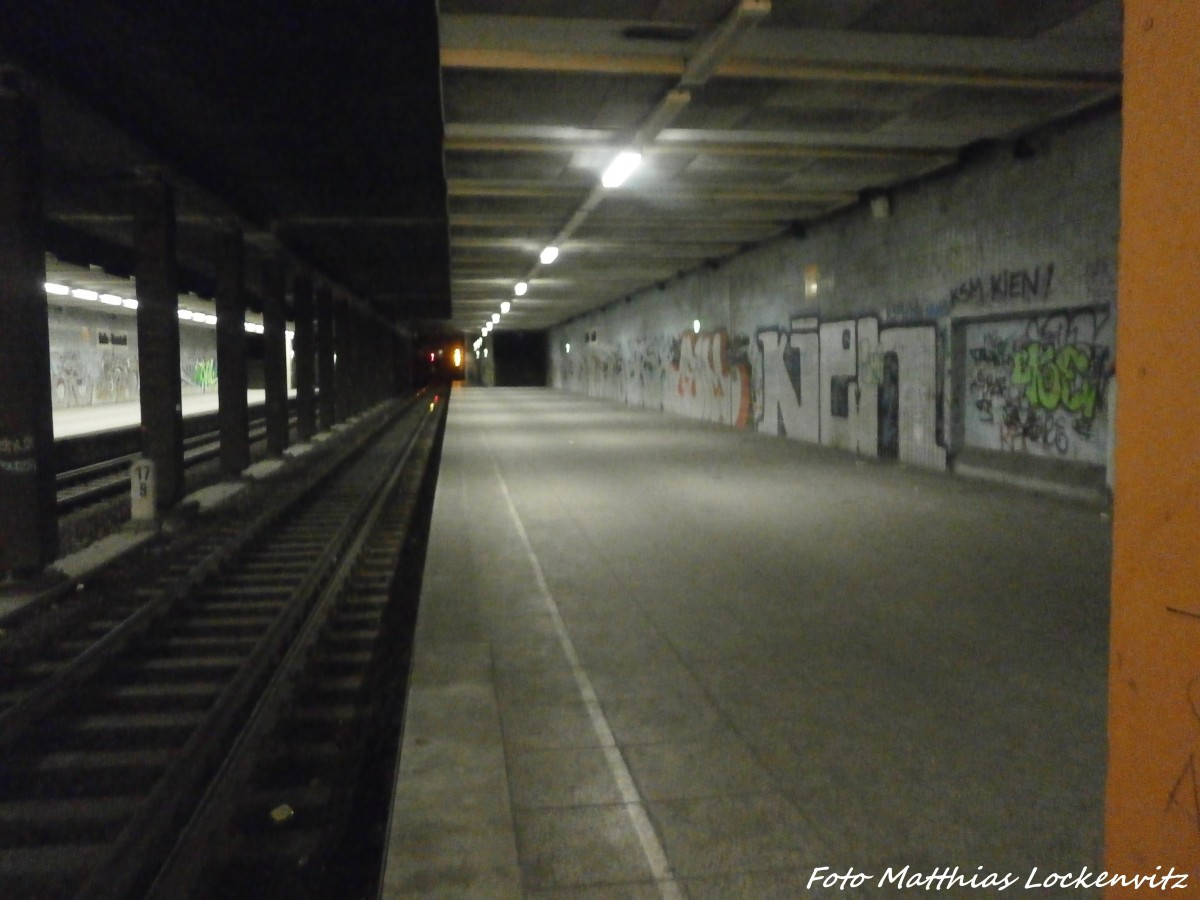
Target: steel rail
[198,841]
[154,814]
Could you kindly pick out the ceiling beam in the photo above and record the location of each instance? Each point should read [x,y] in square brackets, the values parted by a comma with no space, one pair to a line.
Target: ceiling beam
[741,67]
[732,148]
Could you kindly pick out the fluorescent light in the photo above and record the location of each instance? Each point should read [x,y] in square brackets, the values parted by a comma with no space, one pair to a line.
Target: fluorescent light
[568,348]
[696,326]
[505,307]
[129,303]
[549,255]
[521,288]
[210,320]
[478,343]
[110,299]
[61,289]
[249,326]
[186,314]
[84,294]
[290,335]
[621,168]
[495,318]
[485,352]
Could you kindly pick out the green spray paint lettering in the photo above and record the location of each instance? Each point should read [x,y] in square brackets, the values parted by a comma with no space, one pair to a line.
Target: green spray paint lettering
[1057,376]
[205,372]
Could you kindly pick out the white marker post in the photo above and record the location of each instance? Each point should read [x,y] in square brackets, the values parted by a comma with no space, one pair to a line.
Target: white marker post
[143,495]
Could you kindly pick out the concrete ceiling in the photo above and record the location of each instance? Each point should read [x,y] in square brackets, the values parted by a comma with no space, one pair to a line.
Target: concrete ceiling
[754,118]
[327,133]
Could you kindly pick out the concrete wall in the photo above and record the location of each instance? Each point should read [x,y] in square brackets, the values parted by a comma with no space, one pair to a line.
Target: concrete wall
[94,357]
[978,316]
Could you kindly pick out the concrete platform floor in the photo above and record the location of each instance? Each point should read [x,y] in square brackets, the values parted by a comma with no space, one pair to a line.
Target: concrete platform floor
[660,659]
[71,421]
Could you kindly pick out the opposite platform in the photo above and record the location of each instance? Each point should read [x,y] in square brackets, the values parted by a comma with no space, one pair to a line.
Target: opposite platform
[660,659]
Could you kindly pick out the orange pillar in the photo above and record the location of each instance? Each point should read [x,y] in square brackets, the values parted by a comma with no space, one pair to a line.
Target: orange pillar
[1153,796]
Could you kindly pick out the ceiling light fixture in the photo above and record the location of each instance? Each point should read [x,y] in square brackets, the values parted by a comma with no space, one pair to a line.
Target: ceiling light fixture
[621,168]
[495,318]
[61,289]
[129,303]
[549,255]
[521,288]
[110,299]
[505,307]
[82,294]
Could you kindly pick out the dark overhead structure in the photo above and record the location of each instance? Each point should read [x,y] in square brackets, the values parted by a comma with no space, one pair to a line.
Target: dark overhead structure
[317,127]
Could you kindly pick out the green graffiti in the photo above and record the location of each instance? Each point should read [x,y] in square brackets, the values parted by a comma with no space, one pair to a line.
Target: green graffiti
[1056,377]
[205,372]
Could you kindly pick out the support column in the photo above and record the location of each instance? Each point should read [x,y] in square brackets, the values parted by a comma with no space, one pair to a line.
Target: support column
[305,363]
[325,374]
[1153,797]
[158,335]
[232,417]
[275,357]
[343,390]
[367,382]
[28,521]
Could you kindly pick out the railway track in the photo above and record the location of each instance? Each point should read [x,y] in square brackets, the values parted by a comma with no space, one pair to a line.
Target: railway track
[173,712]
[95,480]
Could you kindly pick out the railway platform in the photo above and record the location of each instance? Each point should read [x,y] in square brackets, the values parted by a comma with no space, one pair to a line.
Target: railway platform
[659,659]
[71,421]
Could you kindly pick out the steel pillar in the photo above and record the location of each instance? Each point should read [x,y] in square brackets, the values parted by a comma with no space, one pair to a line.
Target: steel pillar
[326,383]
[158,335]
[233,417]
[275,357]
[304,362]
[342,342]
[28,523]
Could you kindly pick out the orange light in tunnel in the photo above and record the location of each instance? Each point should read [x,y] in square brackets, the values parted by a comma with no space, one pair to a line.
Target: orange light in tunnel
[457,357]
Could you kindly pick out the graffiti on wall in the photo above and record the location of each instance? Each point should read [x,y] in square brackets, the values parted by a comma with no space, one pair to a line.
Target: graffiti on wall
[646,373]
[84,377]
[703,376]
[852,384]
[711,380]
[1037,385]
[811,381]
[1005,287]
[1035,382]
[1183,800]
[199,373]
